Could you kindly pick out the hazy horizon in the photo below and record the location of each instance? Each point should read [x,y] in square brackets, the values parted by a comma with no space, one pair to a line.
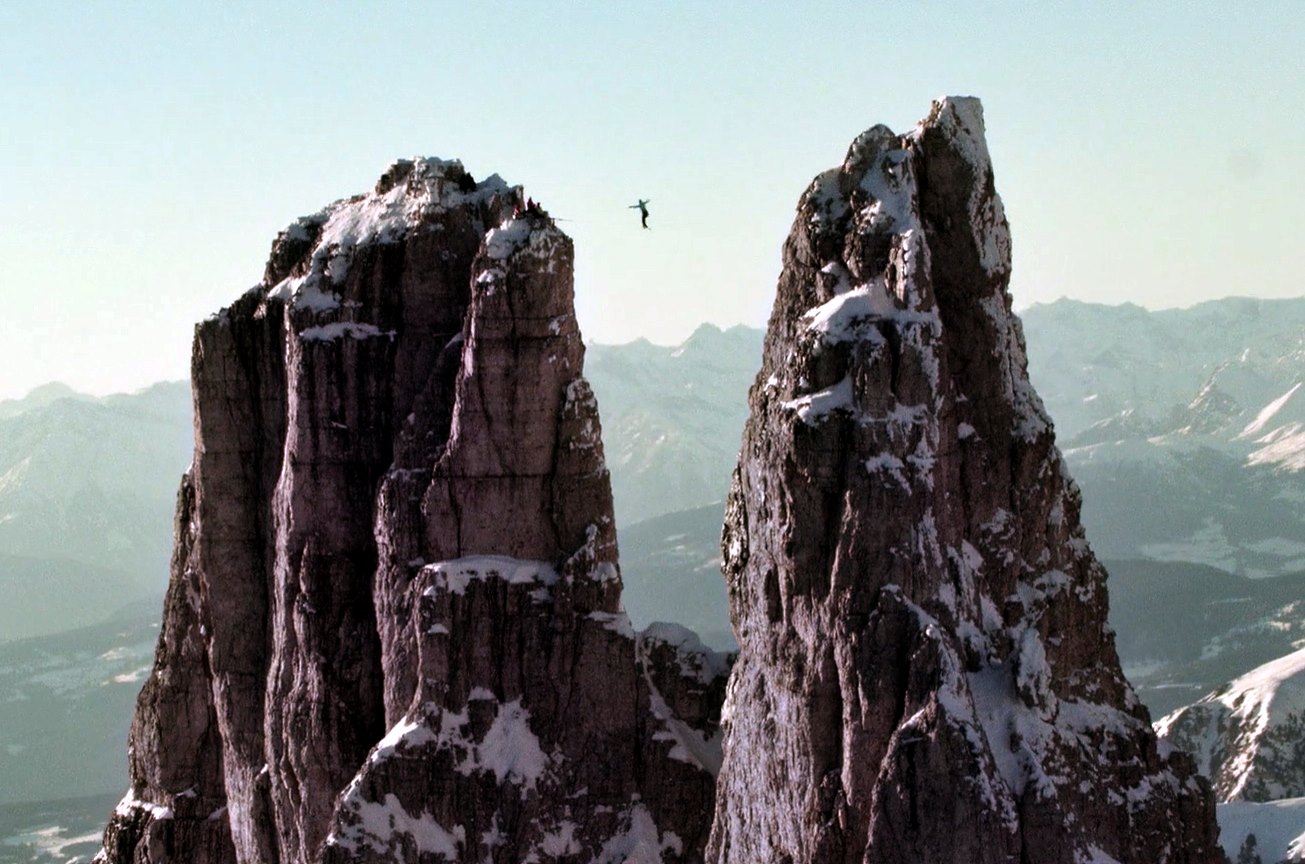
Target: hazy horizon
[183,376]
[154,150]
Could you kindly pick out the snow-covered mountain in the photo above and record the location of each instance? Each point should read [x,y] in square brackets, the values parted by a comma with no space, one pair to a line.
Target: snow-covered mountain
[1185,428]
[1249,736]
[1092,362]
[672,417]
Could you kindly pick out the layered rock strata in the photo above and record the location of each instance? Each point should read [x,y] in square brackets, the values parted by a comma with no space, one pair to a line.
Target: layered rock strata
[926,672]
[394,631]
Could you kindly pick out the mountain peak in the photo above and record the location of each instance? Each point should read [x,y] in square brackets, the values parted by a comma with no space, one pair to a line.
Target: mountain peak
[703,337]
[41,397]
[921,622]
[399,517]
[51,391]
[313,255]
[1245,736]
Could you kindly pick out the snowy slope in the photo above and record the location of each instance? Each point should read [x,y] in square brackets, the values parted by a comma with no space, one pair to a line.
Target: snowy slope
[1249,737]
[1185,428]
[1276,830]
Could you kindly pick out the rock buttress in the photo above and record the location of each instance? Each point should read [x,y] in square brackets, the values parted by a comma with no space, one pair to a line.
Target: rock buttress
[399,518]
[926,672]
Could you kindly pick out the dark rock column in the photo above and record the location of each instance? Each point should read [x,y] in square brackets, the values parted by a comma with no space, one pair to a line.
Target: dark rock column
[536,731]
[177,800]
[238,378]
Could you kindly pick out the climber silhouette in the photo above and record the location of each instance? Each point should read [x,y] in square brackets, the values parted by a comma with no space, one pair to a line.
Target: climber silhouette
[642,207]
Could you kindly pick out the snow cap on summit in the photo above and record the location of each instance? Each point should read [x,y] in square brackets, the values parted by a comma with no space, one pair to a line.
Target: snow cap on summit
[316,251]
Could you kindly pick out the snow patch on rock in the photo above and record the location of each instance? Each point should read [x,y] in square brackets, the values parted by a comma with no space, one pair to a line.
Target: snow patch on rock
[457,574]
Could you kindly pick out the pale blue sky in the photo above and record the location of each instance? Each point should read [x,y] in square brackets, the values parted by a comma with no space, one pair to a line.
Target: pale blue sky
[150,152]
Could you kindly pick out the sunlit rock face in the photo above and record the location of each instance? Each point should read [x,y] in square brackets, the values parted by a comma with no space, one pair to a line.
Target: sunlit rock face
[925,672]
[394,630]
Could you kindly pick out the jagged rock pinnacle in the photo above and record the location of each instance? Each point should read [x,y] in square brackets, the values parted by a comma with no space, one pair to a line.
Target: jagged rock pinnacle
[925,668]
[393,631]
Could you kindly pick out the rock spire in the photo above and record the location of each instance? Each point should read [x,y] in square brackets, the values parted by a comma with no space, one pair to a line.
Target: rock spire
[925,669]
[394,630]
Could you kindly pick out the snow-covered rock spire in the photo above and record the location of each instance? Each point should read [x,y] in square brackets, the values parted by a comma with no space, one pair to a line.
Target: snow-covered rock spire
[394,631]
[926,672]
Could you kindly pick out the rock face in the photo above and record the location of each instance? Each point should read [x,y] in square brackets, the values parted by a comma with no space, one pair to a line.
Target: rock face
[925,669]
[1249,736]
[394,630]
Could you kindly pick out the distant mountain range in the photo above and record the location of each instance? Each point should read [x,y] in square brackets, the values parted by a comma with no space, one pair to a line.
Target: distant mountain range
[672,417]
[1092,362]
[1184,428]
[86,496]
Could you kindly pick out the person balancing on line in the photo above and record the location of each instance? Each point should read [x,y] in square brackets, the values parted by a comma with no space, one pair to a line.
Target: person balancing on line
[642,207]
